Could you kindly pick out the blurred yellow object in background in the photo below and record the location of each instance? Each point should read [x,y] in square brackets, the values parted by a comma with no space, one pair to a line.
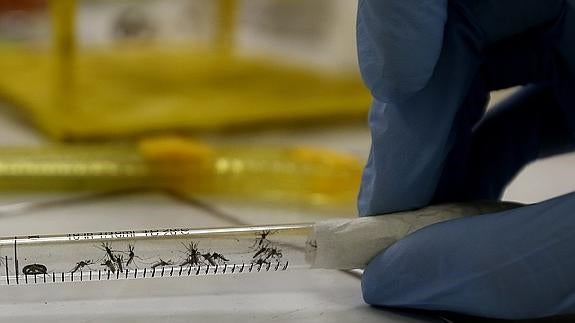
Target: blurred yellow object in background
[128,93]
[64,53]
[296,176]
[129,88]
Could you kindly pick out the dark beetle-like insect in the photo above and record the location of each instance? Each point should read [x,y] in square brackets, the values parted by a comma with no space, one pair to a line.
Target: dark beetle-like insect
[34,269]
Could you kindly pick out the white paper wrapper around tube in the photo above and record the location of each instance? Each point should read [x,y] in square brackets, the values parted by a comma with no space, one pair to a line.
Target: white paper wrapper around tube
[352,243]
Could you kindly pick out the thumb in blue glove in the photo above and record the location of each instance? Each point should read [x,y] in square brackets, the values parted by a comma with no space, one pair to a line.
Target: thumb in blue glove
[516,264]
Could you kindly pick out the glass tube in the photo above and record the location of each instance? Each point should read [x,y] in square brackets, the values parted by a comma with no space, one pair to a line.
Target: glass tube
[152,254]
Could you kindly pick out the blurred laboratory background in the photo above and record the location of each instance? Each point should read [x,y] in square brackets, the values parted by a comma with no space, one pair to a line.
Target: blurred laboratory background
[148,114]
[170,78]
[143,114]
[133,67]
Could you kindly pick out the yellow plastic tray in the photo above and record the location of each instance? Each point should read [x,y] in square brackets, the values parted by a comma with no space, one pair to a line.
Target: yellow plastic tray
[129,91]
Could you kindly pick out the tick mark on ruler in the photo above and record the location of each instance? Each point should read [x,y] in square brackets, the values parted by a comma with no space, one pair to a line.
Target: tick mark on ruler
[16,271]
[6,268]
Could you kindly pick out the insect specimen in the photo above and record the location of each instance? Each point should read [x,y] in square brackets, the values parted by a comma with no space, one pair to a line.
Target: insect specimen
[266,254]
[193,255]
[81,264]
[131,254]
[119,261]
[108,248]
[110,265]
[214,258]
[34,269]
[162,263]
[262,238]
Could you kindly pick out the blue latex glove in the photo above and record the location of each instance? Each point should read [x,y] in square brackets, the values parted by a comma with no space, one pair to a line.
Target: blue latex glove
[430,65]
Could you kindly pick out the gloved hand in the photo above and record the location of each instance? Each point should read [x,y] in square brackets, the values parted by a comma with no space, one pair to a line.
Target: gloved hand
[430,65]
